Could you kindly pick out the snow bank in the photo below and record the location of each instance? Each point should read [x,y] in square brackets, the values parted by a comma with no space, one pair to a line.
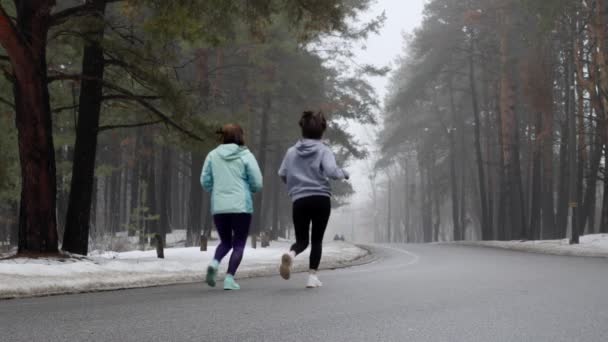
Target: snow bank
[590,246]
[111,270]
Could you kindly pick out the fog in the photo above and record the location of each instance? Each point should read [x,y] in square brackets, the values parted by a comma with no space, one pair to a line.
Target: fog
[456,120]
[381,49]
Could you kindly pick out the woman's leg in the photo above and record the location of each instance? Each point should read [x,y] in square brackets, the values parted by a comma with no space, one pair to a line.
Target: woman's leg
[302,217]
[321,210]
[301,222]
[224,230]
[240,226]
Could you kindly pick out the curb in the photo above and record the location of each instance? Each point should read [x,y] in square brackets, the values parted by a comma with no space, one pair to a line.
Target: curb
[170,279]
[535,249]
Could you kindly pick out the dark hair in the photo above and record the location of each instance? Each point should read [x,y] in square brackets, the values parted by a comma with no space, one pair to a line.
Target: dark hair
[313,125]
[232,134]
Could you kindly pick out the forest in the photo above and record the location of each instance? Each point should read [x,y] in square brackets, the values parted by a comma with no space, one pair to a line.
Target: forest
[109,107]
[495,124]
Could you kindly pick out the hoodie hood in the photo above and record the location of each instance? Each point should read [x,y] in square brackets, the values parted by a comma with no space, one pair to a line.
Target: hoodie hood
[308,147]
[231,151]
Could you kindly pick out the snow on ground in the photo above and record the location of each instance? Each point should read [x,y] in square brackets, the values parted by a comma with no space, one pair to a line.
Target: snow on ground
[590,246]
[111,270]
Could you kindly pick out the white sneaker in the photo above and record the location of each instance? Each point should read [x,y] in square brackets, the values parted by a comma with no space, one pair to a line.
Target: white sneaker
[313,282]
[285,269]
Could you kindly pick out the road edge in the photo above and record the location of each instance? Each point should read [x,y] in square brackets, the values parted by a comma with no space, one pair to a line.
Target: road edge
[545,249]
[364,258]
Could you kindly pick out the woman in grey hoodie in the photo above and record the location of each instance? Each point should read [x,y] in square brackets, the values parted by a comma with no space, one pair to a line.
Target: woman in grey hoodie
[306,169]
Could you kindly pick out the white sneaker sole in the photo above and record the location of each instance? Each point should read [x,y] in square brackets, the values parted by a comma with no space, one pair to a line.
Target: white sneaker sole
[285,269]
[314,285]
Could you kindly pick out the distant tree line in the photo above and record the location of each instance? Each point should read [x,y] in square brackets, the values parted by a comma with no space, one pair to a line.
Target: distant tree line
[495,125]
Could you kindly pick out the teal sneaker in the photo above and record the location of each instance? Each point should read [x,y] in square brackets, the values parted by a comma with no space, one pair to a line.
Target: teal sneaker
[211,273]
[230,284]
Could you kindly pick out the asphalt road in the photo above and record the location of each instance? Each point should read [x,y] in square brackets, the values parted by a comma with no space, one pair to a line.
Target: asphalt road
[411,293]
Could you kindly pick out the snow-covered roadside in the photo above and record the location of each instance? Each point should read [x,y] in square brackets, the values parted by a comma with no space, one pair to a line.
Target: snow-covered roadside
[590,246]
[109,271]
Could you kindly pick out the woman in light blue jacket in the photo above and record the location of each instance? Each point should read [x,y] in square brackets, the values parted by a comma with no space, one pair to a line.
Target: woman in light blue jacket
[232,175]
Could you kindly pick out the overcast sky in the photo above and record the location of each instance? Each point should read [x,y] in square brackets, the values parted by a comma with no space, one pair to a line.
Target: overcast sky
[403,16]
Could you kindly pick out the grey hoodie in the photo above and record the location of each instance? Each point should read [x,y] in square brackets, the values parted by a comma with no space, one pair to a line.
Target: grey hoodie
[307,168]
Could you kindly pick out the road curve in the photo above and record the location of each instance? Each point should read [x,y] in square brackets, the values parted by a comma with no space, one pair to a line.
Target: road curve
[410,293]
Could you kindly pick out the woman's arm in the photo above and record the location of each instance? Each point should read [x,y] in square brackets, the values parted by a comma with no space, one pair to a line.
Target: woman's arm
[283,169]
[330,167]
[207,175]
[254,174]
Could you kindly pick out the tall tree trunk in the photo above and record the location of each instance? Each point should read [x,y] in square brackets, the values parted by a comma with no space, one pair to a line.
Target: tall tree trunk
[258,215]
[426,214]
[535,205]
[196,200]
[135,183]
[151,201]
[25,45]
[561,228]
[436,204]
[76,236]
[165,190]
[276,194]
[510,136]
[604,212]
[389,211]
[457,229]
[502,232]
[561,221]
[590,191]
[486,227]
[546,104]
[572,192]
[115,198]
[406,201]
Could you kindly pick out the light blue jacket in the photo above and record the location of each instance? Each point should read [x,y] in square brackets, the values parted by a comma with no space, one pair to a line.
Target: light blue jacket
[232,175]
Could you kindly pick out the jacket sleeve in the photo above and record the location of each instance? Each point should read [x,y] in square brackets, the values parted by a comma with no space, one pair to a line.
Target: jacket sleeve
[254,175]
[330,168]
[283,169]
[207,175]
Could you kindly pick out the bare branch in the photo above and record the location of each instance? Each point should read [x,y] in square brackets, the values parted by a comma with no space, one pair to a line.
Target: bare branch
[76,11]
[7,102]
[64,77]
[125,97]
[135,125]
[145,104]
[63,109]
[129,96]
[11,40]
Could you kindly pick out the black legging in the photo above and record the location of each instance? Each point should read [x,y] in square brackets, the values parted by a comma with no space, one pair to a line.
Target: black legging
[315,209]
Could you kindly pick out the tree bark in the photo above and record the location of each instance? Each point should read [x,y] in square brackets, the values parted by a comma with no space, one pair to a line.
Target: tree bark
[457,229]
[258,219]
[76,236]
[276,194]
[151,201]
[165,190]
[535,203]
[510,135]
[389,211]
[196,200]
[25,45]
[486,227]
[561,228]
